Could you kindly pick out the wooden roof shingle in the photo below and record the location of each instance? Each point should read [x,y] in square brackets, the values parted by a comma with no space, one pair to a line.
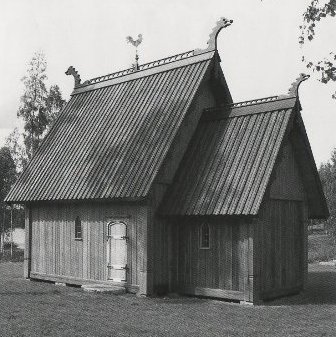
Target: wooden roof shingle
[231,157]
[113,134]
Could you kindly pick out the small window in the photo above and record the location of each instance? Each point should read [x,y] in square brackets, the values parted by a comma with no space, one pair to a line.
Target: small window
[205,237]
[78,228]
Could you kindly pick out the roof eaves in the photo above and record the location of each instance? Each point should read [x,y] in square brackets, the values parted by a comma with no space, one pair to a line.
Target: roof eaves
[325,213]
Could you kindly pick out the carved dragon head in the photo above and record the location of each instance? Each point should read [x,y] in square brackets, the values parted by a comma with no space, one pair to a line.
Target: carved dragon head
[72,71]
[293,91]
[220,24]
[212,41]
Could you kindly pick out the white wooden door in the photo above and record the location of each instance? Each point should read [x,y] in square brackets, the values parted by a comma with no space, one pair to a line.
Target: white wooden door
[116,251]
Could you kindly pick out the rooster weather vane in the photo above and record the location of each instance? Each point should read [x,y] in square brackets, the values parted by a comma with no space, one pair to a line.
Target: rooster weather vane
[135,43]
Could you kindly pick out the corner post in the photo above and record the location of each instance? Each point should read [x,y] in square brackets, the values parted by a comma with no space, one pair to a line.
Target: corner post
[145,249]
[28,239]
[255,235]
[249,276]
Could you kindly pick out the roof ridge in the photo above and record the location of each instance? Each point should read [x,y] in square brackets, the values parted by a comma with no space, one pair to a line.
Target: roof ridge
[253,101]
[152,64]
[261,105]
[211,47]
[248,103]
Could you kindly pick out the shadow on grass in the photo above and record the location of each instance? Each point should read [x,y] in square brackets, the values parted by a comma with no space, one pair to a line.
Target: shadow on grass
[321,289]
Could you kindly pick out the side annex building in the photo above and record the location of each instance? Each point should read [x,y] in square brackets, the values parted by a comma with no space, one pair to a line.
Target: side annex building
[153,180]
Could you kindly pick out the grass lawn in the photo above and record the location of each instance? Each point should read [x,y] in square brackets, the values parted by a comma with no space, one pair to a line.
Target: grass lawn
[42,309]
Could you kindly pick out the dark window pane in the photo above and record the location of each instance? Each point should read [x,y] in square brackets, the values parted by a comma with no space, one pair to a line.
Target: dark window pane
[78,228]
[205,236]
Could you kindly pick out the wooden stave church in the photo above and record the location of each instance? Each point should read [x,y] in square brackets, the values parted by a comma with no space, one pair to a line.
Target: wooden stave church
[152,179]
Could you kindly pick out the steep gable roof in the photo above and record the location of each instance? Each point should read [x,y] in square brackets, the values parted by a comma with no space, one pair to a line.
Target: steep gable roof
[228,165]
[114,133]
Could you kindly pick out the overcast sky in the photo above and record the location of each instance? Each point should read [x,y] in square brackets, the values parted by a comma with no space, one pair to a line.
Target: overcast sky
[259,51]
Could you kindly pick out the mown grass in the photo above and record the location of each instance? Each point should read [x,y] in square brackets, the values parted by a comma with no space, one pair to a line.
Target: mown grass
[321,247]
[42,309]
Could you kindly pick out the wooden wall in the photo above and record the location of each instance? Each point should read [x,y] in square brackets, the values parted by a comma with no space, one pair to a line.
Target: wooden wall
[56,254]
[280,232]
[165,248]
[223,270]
[280,264]
[287,183]
[225,265]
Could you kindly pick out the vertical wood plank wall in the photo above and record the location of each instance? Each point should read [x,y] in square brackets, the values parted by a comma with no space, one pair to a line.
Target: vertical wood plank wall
[165,253]
[287,183]
[225,265]
[181,266]
[55,251]
[281,250]
[280,257]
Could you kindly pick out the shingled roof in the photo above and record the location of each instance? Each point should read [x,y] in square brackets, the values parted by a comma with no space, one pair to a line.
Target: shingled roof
[228,165]
[113,134]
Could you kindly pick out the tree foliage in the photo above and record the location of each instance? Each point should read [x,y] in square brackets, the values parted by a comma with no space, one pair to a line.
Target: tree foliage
[17,149]
[327,173]
[315,12]
[54,104]
[7,178]
[39,108]
[33,108]
[7,172]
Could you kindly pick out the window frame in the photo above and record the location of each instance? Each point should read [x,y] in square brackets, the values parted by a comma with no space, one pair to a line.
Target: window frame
[78,229]
[204,236]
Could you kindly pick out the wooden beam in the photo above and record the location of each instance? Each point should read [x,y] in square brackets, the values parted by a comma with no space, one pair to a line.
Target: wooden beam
[218,293]
[145,254]
[132,288]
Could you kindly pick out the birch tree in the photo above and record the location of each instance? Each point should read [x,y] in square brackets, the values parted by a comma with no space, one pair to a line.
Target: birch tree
[39,108]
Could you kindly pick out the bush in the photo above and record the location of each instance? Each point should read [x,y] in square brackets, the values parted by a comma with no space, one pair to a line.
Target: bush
[321,247]
[6,255]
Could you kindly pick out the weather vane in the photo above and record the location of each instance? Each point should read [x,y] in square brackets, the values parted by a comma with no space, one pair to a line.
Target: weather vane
[135,43]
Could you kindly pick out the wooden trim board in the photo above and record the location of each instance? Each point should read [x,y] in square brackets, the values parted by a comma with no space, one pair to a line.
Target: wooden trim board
[217,293]
[132,288]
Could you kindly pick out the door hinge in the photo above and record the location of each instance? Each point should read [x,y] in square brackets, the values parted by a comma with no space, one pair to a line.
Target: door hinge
[118,237]
[117,266]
